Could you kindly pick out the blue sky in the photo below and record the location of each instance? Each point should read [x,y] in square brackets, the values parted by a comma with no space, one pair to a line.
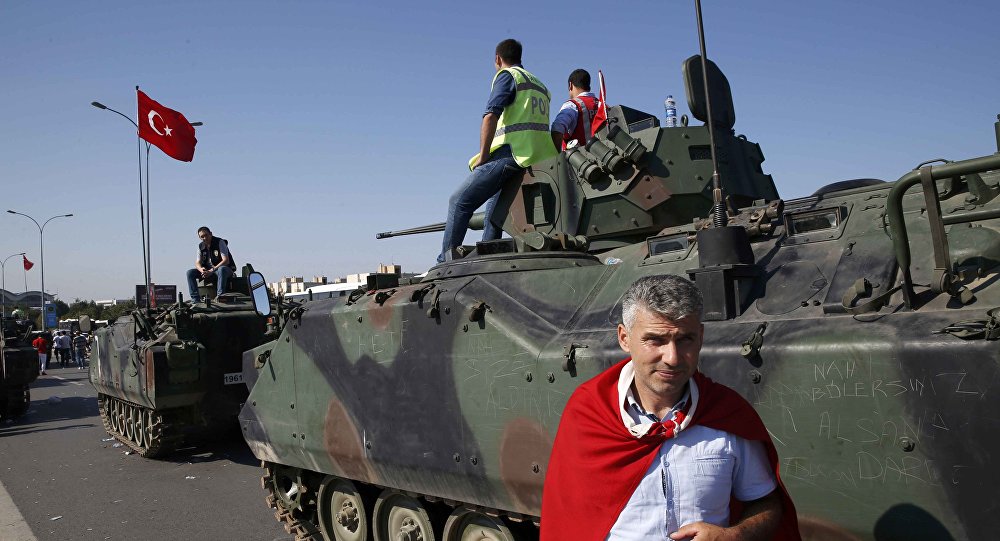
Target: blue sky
[326,122]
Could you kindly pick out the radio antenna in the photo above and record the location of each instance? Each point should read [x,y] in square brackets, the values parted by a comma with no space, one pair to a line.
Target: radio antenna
[719,218]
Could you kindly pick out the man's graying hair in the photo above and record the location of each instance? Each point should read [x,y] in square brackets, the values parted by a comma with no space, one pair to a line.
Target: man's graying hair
[668,295]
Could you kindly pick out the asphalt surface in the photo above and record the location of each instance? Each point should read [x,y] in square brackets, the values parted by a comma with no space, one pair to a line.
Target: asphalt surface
[68,481]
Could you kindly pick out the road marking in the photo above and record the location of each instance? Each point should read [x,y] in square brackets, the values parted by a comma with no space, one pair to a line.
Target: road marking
[66,380]
[11,521]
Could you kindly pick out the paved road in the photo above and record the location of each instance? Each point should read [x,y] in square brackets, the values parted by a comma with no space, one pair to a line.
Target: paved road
[55,462]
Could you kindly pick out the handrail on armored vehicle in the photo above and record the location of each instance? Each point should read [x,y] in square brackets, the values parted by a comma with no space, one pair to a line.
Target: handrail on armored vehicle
[943,277]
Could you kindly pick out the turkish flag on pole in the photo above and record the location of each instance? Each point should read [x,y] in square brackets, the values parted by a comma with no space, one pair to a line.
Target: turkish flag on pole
[165,128]
[27,264]
[602,110]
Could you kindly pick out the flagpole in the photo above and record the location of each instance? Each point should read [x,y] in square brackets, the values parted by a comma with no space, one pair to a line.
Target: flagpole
[149,233]
[142,210]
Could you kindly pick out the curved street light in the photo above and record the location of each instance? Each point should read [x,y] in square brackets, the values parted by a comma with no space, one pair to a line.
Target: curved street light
[41,250]
[3,270]
[100,105]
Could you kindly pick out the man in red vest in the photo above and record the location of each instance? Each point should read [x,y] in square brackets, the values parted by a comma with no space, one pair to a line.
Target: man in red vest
[573,123]
[653,449]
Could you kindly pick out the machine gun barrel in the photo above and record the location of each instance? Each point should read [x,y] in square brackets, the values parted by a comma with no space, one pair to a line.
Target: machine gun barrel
[477,222]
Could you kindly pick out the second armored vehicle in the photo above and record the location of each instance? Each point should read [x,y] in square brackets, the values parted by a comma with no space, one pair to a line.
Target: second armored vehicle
[163,374]
[19,366]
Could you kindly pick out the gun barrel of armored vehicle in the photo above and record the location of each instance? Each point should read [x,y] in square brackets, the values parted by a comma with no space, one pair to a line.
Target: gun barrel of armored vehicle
[477,222]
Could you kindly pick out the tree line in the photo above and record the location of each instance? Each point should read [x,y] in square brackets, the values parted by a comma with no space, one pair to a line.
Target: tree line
[79,308]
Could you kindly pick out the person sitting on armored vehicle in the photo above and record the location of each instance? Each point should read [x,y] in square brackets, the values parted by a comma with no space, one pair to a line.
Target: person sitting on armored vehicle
[17,314]
[572,125]
[513,136]
[214,264]
[653,449]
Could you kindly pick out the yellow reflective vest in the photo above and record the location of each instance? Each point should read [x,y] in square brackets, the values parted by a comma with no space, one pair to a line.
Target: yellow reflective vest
[524,124]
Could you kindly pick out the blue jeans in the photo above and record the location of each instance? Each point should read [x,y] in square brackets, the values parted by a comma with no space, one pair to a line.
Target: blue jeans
[222,275]
[81,357]
[481,186]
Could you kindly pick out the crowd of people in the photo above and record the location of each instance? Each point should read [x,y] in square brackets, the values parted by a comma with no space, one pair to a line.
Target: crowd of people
[66,348]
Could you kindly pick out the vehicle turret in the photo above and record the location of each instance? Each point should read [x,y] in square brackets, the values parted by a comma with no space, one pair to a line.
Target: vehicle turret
[634,178]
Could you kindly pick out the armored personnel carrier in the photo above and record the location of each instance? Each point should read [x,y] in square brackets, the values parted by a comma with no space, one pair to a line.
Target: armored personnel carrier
[19,365]
[859,322]
[164,374]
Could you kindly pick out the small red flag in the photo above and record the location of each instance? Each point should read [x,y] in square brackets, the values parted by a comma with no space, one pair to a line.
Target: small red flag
[602,110]
[166,128]
[27,264]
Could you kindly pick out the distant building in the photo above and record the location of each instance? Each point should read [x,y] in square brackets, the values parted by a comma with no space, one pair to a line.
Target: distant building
[382,268]
[111,302]
[295,284]
[298,285]
[31,299]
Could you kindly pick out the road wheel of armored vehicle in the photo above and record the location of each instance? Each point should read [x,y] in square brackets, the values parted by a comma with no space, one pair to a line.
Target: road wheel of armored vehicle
[139,423]
[120,417]
[466,525]
[114,411]
[147,426]
[343,515]
[401,518]
[128,419]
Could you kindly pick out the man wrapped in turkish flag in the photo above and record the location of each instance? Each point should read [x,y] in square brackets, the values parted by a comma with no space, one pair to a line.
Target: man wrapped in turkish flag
[165,128]
[597,463]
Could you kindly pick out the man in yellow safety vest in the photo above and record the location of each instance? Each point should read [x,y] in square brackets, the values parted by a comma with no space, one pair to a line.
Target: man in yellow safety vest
[514,135]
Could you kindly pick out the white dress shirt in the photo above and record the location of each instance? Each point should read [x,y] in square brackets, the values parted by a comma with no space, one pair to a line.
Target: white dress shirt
[693,475]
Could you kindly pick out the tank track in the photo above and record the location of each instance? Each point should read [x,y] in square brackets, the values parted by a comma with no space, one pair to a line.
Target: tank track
[291,515]
[296,495]
[143,430]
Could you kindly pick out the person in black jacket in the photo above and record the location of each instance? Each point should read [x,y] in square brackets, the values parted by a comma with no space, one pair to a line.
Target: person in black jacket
[214,264]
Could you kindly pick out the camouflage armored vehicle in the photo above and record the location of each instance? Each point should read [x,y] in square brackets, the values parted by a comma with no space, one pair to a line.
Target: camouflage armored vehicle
[859,322]
[19,365]
[164,374]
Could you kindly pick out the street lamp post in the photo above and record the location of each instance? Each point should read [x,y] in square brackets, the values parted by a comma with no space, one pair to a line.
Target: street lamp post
[3,270]
[41,250]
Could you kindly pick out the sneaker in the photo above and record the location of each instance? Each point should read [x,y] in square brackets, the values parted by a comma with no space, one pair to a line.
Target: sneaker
[43,373]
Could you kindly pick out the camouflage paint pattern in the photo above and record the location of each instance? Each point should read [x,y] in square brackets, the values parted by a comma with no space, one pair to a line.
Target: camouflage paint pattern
[451,388]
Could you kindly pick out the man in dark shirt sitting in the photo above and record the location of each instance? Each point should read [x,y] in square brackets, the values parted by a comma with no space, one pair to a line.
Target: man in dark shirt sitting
[214,263]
